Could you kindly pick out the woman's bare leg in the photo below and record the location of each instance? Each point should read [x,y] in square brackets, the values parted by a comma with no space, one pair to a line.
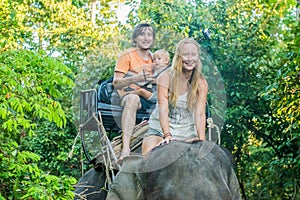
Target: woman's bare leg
[149,143]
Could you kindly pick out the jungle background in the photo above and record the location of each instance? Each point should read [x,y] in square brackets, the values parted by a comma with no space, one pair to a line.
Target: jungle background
[51,49]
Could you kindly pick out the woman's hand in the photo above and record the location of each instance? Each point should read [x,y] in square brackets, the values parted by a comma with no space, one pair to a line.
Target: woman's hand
[166,140]
[190,140]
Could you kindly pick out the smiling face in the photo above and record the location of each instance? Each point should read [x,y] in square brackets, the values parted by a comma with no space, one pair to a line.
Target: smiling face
[190,56]
[145,38]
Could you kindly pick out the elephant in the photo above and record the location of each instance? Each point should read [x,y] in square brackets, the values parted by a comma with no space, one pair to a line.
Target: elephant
[178,170]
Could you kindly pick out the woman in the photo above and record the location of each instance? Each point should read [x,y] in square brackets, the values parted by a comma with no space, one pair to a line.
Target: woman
[182,92]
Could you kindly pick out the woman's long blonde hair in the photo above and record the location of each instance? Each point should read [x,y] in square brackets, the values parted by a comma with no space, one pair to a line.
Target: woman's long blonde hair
[176,73]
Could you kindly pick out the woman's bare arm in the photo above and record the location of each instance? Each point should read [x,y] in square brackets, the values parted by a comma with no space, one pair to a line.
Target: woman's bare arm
[199,114]
[163,104]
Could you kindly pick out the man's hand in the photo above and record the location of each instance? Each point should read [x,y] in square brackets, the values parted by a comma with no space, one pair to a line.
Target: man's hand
[142,77]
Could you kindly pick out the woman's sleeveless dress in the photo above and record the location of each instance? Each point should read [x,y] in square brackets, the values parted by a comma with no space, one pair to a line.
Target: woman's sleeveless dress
[181,120]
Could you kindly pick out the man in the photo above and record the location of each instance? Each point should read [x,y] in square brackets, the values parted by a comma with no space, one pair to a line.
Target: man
[133,61]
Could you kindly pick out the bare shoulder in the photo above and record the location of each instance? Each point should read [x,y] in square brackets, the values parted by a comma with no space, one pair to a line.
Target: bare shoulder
[164,76]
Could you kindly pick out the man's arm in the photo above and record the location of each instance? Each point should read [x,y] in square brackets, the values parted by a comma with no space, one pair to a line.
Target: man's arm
[121,81]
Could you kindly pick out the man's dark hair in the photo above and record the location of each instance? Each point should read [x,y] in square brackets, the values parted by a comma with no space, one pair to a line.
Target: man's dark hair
[138,30]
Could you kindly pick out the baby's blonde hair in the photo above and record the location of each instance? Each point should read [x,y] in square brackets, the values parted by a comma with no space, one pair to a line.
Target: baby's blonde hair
[165,54]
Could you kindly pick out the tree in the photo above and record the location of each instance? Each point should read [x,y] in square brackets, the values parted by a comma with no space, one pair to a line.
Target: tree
[62,30]
[31,86]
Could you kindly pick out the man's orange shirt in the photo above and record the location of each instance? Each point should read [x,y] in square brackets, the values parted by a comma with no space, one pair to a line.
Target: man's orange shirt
[130,60]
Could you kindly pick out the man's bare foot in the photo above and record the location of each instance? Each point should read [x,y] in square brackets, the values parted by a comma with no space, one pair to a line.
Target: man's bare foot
[124,153]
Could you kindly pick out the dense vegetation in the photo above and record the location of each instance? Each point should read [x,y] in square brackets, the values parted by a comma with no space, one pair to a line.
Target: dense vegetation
[49,50]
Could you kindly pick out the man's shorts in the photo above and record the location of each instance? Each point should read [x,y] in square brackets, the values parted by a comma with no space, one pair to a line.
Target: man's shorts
[153,98]
[146,105]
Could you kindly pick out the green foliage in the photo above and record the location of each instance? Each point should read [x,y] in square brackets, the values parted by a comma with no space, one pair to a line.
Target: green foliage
[37,96]
[10,32]
[283,93]
[62,29]
[32,84]
[22,179]
[53,146]
[259,161]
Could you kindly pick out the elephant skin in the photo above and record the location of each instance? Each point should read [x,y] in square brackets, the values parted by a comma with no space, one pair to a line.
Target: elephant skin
[91,186]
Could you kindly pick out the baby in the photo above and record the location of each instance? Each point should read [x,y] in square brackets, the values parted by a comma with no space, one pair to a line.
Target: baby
[161,60]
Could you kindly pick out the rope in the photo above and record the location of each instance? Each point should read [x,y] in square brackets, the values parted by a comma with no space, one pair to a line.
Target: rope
[210,126]
[107,171]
